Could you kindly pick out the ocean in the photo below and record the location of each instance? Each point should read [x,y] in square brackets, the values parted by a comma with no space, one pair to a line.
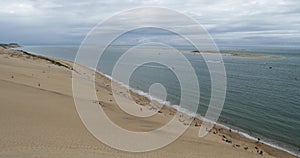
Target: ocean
[263,95]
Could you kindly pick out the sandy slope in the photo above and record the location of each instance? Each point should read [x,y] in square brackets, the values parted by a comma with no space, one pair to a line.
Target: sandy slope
[38,118]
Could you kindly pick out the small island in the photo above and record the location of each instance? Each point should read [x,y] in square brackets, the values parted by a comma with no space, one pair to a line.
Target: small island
[239,54]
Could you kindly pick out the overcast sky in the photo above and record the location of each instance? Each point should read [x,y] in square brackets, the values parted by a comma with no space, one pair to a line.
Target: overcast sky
[230,22]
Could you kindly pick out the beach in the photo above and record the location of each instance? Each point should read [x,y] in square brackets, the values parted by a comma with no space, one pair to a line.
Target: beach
[39,118]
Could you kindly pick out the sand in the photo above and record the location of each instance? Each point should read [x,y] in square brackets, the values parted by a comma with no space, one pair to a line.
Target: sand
[38,117]
[244,55]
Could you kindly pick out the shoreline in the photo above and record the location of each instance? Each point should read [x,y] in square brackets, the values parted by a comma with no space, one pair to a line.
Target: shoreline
[217,125]
[239,138]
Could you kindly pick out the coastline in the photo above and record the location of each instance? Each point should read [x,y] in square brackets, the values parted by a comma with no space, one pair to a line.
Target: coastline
[214,137]
[272,149]
[242,55]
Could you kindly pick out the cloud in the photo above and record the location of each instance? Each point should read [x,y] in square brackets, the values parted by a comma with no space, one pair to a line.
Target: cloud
[67,22]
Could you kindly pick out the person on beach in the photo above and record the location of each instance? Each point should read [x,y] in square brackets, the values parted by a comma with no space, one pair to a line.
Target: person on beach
[261,153]
[258,140]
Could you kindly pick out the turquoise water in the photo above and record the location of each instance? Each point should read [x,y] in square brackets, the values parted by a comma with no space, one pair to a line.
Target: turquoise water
[263,95]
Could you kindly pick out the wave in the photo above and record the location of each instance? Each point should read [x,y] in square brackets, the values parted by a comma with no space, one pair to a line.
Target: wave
[242,133]
[264,140]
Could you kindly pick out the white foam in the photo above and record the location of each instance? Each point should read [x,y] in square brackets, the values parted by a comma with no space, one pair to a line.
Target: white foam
[198,116]
[248,136]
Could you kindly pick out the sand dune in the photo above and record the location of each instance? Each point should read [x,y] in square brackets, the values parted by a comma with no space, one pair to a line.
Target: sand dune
[38,117]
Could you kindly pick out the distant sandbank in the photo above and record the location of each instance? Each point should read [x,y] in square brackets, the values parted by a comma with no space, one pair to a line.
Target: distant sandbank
[240,54]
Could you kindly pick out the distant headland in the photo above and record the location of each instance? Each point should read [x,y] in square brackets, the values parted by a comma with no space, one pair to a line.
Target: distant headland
[10,45]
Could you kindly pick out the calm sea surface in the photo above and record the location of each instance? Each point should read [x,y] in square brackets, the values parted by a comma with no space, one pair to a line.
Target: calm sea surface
[263,95]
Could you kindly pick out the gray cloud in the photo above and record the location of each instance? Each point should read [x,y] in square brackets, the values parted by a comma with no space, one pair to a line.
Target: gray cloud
[229,22]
